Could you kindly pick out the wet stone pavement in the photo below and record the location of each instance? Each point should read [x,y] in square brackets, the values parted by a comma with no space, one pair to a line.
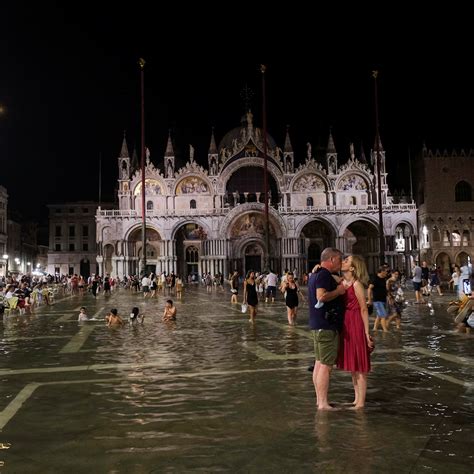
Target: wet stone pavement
[214,393]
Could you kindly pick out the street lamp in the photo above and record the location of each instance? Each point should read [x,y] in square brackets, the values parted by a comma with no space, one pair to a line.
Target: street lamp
[5,257]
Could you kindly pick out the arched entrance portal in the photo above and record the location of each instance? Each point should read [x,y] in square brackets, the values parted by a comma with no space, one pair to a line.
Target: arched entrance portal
[318,235]
[135,251]
[189,239]
[463,259]
[253,257]
[362,238]
[247,237]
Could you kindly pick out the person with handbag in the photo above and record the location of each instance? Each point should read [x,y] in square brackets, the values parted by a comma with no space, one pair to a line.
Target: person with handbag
[250,295]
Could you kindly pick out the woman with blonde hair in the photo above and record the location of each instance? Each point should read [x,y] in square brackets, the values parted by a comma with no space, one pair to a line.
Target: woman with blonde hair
[356,343]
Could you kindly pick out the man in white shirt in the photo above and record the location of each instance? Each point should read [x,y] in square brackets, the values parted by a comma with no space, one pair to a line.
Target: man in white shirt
[271,284]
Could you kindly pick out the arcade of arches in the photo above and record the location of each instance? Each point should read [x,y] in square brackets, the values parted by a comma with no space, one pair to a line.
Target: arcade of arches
[211,218]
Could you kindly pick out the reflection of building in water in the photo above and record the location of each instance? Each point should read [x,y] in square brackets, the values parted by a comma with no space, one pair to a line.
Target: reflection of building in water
[212,219]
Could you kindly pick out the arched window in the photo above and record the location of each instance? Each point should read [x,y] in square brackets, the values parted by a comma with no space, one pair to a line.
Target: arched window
[192,255]
[353,201]
[463,191]
[149,206]
[309,201]
[399,239]
[192,204]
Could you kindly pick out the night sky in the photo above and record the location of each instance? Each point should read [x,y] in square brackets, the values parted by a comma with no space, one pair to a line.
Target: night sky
[70,85]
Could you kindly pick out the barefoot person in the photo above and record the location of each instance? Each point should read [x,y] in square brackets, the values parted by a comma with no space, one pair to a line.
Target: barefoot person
[250,295]
[355,341]
[169,313]
[325,321]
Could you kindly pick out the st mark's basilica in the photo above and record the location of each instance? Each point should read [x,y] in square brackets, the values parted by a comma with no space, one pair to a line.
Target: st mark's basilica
[212,220]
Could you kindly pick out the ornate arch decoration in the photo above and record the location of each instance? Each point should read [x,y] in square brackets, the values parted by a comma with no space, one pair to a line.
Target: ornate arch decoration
[204,230]
[154,186]
[411,226]
[245,162]
[134,227]
[353,180]
[242,243]
[231,218]
[192,184]
[351,219]
[312,218]
[309,182]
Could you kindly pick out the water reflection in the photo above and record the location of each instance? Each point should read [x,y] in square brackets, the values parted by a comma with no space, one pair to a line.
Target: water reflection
[344,441]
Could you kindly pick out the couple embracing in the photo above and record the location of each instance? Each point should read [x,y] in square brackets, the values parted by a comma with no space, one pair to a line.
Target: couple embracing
[339,320]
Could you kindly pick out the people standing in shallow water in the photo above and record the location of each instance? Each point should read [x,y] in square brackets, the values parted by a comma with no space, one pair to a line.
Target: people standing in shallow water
[234,286]
[325,321]
[290,289]
[250,295]
[355,340]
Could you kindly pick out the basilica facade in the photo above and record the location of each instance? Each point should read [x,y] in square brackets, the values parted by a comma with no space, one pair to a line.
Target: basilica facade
[213,219]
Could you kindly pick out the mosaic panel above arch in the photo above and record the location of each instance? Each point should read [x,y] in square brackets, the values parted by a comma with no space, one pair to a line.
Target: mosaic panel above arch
[248,224]
[352,182]
[309,182]
[152,187]
[192,185]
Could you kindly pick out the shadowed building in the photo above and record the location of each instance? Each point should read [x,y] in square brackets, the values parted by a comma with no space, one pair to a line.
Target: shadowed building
[446,211]
[201,220]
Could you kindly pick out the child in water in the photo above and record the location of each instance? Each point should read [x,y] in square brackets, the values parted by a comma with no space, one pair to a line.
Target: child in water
[169,313]
[135,316]
[113,319]
[82,314]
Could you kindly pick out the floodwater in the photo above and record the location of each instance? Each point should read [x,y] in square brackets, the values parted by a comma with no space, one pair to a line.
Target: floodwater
[214,393]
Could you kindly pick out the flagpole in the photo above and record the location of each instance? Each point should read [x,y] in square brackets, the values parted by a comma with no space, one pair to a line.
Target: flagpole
[100,180]
[379,175]
[265,172]
[141,63]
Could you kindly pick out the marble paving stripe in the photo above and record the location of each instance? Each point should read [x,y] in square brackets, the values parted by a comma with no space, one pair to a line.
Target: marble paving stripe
[440,355]
[78,340]
[12,408]
[32,338]
[447,378]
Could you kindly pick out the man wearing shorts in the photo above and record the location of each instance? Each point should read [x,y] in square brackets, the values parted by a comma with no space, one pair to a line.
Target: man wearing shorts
[325,321]
[377,296]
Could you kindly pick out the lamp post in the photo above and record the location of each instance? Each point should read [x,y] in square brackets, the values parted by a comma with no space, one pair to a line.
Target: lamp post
[5,257]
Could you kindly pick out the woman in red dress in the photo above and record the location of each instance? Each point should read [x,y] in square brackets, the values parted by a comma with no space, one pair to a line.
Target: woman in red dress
[355,342]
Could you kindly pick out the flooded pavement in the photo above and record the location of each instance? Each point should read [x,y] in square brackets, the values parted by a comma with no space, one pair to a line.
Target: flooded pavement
[213,393]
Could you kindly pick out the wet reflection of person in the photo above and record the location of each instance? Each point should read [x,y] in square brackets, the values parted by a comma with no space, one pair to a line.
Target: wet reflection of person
[358,447]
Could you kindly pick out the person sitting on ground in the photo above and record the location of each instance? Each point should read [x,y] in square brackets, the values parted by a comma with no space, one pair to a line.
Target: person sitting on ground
[135,316]
[169,313]
[82,314]
[113,319]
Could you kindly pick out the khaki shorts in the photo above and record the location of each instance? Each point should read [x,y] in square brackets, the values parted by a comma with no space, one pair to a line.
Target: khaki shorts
[326,343]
